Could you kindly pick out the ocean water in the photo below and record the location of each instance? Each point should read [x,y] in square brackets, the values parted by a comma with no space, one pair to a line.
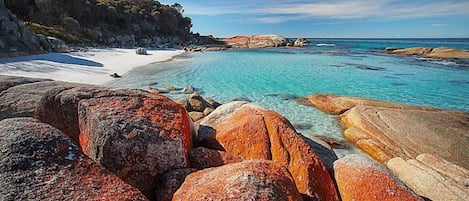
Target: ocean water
[355,67]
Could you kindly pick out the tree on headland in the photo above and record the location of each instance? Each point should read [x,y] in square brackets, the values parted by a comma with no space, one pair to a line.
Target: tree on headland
[98,20]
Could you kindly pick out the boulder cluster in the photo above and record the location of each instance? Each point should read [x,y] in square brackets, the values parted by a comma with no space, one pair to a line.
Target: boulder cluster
[262,41]
[66,141]
[423,146]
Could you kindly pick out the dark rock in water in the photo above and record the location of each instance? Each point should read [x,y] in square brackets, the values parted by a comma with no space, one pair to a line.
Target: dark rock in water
[303,101]
[334,143]
[272,95]
[459,81]
[170,182]
[158,90]
[390,49]
[302,125]
[198,103]
[189,89]
[115,75]
[242,99]
[40,163]
[398,84]
[289,97]
[172,88]
[366,67]
[212,102]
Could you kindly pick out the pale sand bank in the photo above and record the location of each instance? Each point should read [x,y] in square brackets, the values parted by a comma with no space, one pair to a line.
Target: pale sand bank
[91,67]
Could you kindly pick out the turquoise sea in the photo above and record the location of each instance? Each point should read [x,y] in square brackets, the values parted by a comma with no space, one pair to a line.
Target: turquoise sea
[355,67]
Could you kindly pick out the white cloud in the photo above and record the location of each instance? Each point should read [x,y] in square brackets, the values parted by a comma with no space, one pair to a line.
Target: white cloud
[282,11]
[439,25]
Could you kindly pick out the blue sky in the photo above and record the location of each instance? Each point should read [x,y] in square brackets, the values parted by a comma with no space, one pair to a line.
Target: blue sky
[330,18]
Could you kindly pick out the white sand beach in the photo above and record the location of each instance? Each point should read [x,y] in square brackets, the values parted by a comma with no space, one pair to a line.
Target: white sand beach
[91,67]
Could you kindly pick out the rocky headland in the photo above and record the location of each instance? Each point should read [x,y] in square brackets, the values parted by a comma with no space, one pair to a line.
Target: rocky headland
[71,141]
[424,147]
[437,53]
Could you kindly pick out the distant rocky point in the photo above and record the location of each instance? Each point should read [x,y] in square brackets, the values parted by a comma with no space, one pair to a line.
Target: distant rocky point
[439,53]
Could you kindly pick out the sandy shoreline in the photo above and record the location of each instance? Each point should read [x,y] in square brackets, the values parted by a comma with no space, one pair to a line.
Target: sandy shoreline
[90,67]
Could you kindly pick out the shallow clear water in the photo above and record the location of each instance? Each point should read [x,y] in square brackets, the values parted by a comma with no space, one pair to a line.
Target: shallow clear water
[270,77]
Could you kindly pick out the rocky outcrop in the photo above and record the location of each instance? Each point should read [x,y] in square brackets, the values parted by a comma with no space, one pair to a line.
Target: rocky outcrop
[386,130]
[249,180]
[360,178]
[256,41]
[440,53]
[413,51]
[335,104]
[448,53]
[15,38]
[251,132]
[432,177]
[38,162]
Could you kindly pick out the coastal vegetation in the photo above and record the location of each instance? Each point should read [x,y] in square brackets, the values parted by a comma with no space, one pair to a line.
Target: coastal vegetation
[105,22]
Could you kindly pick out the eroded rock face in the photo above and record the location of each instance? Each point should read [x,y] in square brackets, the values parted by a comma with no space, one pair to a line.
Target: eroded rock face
[385,133]
[38,162]
[248,180]
[138,137]
[360,178]
[251,132]
[432,177]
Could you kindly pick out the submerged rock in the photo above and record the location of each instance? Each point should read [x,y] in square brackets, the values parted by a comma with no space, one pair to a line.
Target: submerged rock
[41,163]
[249,180]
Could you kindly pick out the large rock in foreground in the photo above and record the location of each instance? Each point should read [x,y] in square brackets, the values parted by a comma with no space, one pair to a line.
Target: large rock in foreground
[360,178]
[138,136]
[252,132]
[249,180]
[432,177]
[38,162]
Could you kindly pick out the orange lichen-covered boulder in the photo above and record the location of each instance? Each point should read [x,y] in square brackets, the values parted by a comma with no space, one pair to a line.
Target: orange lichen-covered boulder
[237,41]
[248,180]
[252,132]
[38,162]
[138,137]
[360,178]
[202,157]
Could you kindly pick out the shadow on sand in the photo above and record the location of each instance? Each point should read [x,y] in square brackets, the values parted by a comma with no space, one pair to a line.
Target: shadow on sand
[53,57]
